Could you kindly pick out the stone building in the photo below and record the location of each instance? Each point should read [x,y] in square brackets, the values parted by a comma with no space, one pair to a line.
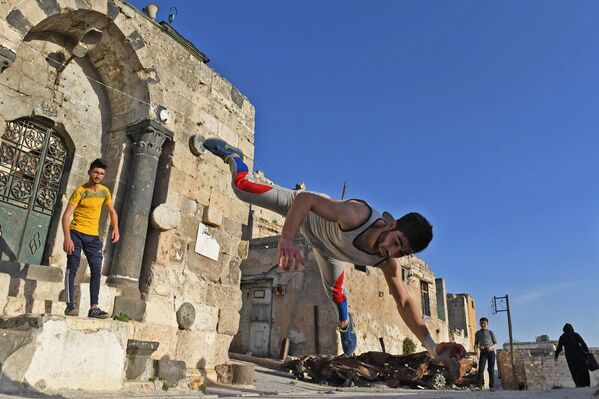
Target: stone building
[463,323]
[81,79]
[535,366]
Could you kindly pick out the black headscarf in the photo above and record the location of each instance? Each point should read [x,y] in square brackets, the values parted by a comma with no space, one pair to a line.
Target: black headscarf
[568,328]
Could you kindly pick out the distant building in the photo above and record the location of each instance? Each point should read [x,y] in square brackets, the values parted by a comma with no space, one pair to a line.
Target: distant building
[463,323]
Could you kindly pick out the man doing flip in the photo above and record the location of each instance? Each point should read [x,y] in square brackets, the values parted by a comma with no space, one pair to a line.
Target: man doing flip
[350,231]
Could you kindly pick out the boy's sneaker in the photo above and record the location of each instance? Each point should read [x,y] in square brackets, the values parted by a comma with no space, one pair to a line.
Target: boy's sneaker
[97,313]
[349,341]
[221,149]
[71,310]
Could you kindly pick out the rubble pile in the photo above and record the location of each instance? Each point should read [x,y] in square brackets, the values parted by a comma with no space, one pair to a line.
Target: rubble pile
[417,369]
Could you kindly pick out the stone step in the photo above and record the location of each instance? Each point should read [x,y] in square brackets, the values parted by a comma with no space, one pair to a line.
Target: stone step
[38,289]
[31,272]
[26,304]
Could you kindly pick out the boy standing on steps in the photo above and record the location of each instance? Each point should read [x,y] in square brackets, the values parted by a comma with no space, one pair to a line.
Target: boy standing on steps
[82,233]
[341,231]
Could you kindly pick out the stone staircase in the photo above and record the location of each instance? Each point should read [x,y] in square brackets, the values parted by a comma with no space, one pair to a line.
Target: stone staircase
[37,289]
[30,289]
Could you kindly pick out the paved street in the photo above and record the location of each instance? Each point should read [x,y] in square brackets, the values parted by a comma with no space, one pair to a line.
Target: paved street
[278,384]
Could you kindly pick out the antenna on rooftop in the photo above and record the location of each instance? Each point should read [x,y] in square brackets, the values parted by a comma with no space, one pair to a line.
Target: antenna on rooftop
[172,13]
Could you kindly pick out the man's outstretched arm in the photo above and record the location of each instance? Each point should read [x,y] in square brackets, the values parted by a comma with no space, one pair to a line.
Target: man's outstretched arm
[410,313]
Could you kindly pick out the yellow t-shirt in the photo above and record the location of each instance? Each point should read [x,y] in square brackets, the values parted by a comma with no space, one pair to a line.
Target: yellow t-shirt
[88,206]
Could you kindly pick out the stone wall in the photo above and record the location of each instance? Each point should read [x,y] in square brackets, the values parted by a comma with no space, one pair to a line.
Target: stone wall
[143,70]
[537,371]
[296,294]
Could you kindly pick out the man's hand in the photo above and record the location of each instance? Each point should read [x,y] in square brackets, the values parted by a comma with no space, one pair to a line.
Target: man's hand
[68,245]
[450,350]
[290,257]
[115,236]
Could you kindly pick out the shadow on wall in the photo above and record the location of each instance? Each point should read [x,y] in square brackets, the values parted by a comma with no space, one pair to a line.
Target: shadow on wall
[5,252]
[19,390]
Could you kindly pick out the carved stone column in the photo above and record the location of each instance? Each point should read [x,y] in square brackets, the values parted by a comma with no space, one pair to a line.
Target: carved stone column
[148,137]
[7,57]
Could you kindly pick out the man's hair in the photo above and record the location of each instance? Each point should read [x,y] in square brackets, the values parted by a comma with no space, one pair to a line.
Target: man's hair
[98,163]
[417,230]
[483,319]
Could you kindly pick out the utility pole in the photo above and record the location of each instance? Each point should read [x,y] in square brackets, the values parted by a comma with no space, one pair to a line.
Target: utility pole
[496,309]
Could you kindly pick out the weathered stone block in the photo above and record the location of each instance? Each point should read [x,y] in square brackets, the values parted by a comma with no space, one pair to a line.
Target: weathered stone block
[212,216]
[4,287]
[197,348]
[135,308]
[206,318]
[202,266]
[165,217]
[165,335]
[172,371]
[138,354]
[243,249]
[160,310]
[106,298]
[72,348]
[228,322]
[222,296]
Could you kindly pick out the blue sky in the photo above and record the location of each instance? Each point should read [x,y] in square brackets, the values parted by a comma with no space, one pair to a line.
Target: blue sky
[481,115]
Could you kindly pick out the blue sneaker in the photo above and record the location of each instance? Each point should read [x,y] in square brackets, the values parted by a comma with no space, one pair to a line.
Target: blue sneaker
[349,341]
[221,149]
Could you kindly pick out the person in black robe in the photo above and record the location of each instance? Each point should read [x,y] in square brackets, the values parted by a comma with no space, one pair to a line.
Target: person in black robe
[576,355]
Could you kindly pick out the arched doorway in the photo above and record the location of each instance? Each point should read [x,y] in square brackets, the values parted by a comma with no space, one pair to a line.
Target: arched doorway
[33,157]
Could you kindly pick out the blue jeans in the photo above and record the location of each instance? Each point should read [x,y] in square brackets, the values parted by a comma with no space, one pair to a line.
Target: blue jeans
[92,247]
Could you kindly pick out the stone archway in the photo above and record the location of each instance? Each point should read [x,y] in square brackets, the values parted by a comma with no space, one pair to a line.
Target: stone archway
[112,70]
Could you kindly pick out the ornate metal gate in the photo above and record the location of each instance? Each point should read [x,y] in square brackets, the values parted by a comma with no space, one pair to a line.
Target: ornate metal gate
[32,160]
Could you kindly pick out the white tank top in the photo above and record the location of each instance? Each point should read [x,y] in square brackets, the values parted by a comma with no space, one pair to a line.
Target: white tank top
[330,240]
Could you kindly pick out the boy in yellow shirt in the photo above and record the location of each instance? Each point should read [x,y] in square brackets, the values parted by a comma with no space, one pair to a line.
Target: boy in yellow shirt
[82,233]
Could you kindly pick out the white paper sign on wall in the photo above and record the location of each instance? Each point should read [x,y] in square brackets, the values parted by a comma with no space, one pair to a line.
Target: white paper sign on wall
[206,245]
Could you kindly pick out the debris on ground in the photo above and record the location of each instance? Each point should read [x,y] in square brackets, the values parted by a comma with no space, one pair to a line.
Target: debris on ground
[413,370]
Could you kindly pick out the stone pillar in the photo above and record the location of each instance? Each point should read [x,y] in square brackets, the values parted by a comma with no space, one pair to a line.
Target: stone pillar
[7,57]
[148,137]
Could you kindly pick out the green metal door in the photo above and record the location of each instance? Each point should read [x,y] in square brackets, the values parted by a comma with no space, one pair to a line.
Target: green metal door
[32,160]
